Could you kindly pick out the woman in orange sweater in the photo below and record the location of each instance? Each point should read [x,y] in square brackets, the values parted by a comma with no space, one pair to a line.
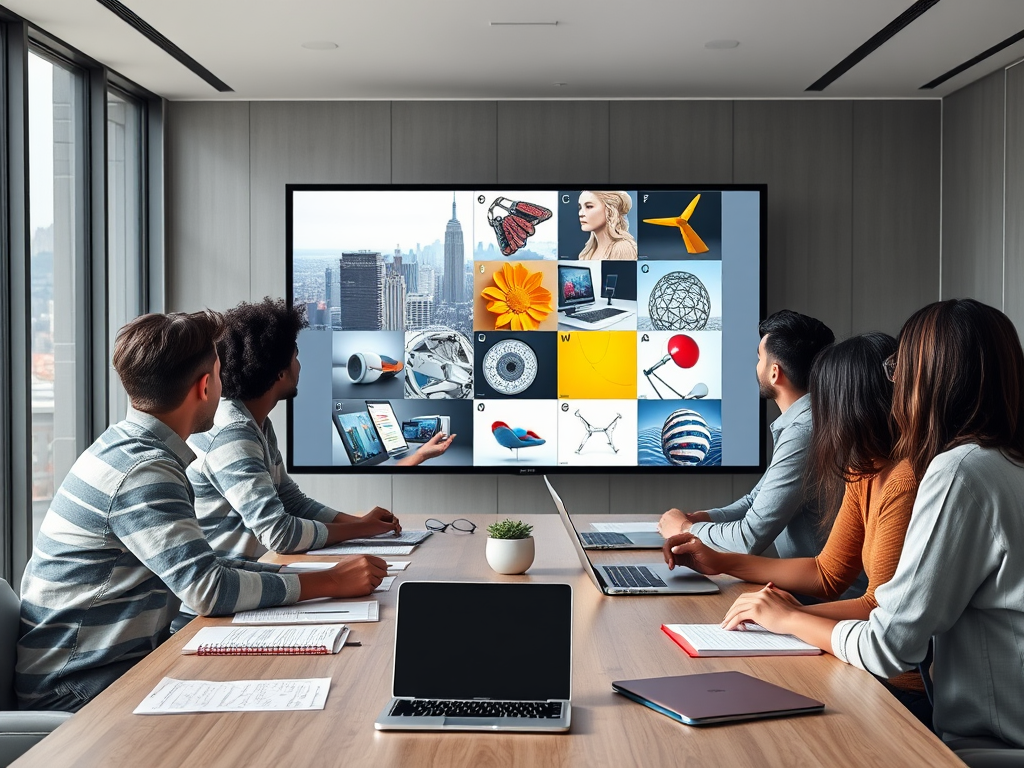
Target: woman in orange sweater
[848,471]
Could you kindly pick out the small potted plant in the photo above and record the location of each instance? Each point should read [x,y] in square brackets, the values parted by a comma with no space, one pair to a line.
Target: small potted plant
[510,546]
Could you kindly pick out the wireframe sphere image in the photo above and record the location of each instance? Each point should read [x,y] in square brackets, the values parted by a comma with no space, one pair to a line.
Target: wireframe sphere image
[510,366]
[685,438]
[679,302]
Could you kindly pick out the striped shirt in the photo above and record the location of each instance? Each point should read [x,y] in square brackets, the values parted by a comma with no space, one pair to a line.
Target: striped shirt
[245,500]
[118,551]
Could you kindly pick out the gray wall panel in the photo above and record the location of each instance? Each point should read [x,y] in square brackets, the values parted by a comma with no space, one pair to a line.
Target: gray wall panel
[803,151]
[207,204]
[444,142]
[446,496]
[552,142]
[528,495]
[671,142]
[336,142]
[972,191]
[1014,286]
[658,494]
[896,190]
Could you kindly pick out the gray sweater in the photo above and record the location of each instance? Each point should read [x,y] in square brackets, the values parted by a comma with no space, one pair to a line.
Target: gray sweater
[961,579]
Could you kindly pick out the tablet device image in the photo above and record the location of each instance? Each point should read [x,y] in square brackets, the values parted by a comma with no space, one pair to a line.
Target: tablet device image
[388,427]
[360,439]
[420,429]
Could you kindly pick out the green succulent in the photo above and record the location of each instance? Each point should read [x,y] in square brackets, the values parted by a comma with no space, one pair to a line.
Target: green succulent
[510,529]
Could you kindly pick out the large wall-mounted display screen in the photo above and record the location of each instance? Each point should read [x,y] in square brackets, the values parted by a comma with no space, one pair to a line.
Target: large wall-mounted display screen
[599,329]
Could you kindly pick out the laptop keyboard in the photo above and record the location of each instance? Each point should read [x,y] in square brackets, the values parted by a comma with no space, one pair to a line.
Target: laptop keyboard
[632,576]
[596,315]
[604,539]
[449,708]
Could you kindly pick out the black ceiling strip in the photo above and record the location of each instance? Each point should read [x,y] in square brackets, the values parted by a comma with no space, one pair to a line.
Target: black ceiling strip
[971,62]
[132,19]
[876,42]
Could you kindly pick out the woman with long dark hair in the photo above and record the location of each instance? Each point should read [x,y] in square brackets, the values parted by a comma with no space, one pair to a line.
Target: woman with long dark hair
[850,473]
[959,408]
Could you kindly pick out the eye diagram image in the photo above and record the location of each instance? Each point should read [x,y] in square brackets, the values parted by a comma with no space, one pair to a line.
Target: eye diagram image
[679,302]
[514,221]
[517,298]
[597,365]
[439,365]
[510,366]
[690,237]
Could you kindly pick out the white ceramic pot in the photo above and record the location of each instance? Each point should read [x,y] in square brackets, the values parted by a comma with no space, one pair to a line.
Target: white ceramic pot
[510,556]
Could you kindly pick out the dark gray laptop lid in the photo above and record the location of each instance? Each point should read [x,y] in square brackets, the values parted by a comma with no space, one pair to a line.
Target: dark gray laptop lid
[501,641]
[717,695]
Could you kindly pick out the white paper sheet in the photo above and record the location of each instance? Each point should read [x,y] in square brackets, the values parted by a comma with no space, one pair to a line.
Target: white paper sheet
[180,696]
[385,585]
[625,527]
[320,565]
[359,549]
[271,640]
[389,539]
[312,612]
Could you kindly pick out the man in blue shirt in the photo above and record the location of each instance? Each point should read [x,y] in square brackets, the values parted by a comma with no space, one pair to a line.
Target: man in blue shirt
[775,510]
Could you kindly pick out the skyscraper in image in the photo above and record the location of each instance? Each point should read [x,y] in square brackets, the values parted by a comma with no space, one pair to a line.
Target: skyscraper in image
[361,291]
[394,302]
[454,261]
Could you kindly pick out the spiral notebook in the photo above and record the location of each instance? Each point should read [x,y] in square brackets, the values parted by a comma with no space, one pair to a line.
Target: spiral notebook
[310,640]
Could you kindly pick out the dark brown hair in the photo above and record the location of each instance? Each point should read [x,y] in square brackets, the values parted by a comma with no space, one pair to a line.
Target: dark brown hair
[959,373]
[851,401]
[793,341]
[258,343]
[160,357]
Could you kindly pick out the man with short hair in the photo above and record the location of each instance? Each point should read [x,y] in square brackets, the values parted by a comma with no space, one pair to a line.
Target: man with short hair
[120,548]
[245,500]
[775,510]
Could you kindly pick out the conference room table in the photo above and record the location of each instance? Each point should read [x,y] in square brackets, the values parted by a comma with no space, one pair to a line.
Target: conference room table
[614,638]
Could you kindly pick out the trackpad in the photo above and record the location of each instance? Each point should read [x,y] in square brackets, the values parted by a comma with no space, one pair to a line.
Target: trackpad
[475,722]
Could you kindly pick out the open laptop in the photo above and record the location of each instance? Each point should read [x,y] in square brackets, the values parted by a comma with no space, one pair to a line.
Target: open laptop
[576,301]
[632,578]
[716,697]
[453,646]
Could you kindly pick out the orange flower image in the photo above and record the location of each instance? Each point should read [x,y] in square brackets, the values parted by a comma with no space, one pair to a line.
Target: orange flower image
[517,298]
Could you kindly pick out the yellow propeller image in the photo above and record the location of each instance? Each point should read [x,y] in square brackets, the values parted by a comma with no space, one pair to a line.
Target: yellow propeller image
[692,240]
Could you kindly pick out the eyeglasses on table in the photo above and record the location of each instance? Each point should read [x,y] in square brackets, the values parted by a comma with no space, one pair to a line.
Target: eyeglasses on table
[460,524]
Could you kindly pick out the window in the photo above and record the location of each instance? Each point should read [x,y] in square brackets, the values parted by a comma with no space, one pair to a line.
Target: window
[125,235]
[56,223]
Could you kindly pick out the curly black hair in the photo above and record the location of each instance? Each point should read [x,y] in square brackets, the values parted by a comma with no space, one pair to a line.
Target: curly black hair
[258,343]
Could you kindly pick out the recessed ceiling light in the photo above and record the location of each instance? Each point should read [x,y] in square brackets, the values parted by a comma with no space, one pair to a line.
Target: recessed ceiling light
[561,84]
[523,23]
[320,45]
[721,45]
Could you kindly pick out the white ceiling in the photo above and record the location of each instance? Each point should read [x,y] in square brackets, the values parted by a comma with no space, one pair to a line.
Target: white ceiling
[446,49]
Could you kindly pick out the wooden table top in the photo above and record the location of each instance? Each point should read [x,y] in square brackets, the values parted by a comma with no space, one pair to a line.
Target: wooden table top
[614,638]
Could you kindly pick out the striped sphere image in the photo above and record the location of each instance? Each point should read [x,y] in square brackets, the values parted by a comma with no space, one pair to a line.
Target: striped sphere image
[685,438]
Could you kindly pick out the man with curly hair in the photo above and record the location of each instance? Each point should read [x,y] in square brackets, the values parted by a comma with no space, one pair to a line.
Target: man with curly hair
[245,500]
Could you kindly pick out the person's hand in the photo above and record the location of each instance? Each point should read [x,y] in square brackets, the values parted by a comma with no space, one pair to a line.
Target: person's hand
[676,521]
[352,577]
[435,446]
[770,607]
[686,549]
[379,520]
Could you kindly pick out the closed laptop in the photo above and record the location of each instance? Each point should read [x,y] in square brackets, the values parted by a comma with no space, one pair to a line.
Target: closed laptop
[716,697]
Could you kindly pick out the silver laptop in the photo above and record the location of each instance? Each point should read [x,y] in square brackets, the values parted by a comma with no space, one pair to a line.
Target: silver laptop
[633,578]
[451,643]
[624,540]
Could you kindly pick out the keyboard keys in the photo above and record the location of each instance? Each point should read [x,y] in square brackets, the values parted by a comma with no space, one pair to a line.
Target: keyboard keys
[604,539]
[449,708]
[632,576]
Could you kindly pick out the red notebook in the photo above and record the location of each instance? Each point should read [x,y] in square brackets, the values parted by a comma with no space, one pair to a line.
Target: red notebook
[711,640]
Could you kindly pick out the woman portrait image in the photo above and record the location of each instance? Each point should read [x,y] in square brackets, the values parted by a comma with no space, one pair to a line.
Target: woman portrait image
[603,214]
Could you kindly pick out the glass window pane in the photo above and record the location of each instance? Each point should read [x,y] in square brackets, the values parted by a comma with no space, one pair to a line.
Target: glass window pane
[55,123]
[124,228]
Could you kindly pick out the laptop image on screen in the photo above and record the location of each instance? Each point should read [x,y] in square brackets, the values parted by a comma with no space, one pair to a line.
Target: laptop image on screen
[576,301]
[633,579]
[360,439]
[450,640]
[388,427]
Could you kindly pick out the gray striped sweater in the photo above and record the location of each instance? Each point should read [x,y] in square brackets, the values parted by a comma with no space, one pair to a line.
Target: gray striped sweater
[119,549]
[245,500]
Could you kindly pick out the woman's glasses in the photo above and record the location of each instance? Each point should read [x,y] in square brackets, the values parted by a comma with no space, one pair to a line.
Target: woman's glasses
[460,524]
[889,366]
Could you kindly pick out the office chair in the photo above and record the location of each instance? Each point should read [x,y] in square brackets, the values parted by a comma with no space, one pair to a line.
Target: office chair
[19,731]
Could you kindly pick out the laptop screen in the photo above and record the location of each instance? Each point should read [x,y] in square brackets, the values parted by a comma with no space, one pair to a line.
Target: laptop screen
[501,641]
[362,444]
